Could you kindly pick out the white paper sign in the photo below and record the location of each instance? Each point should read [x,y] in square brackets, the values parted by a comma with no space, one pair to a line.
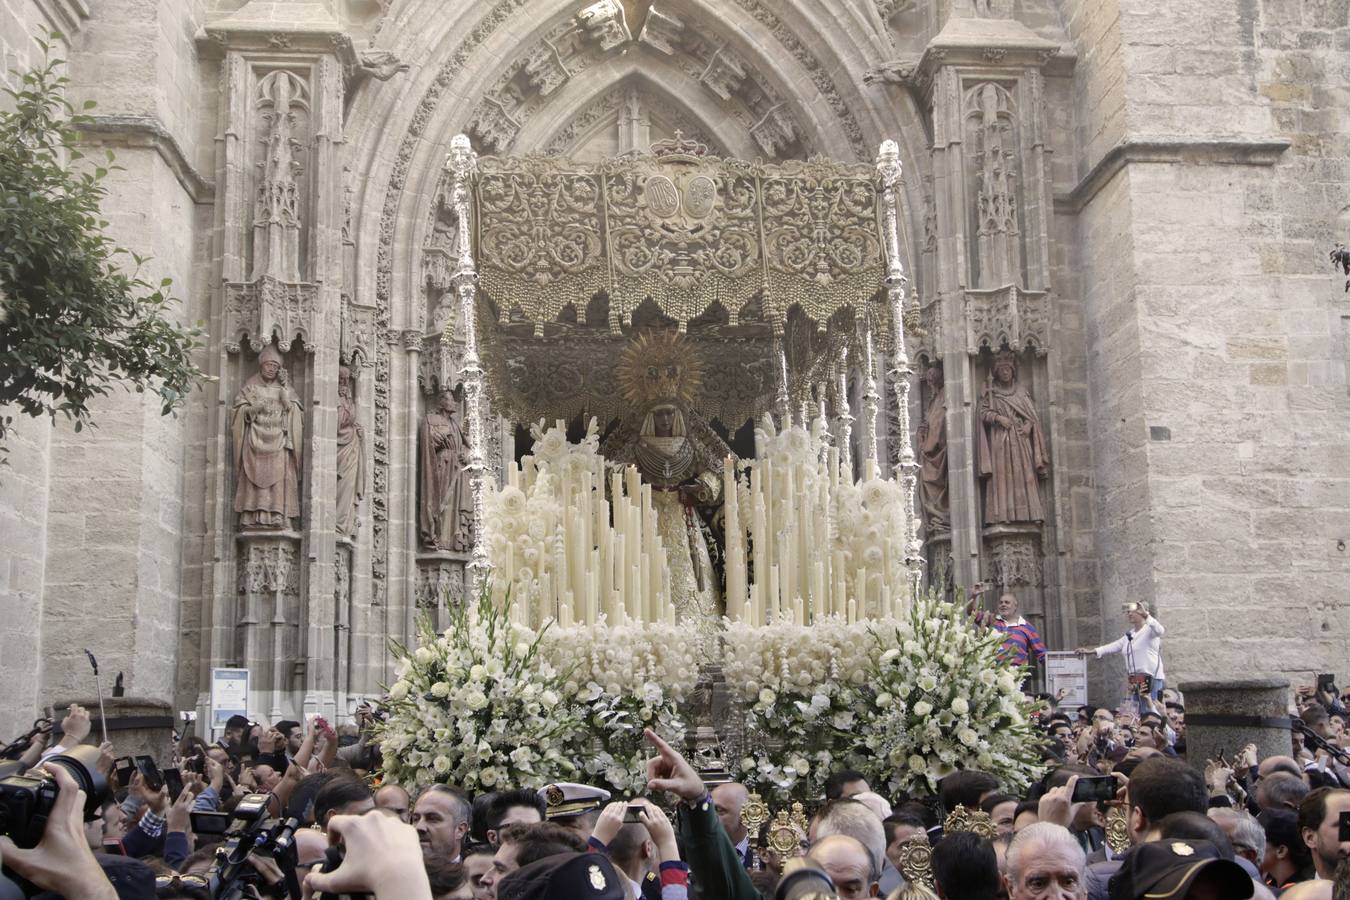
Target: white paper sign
[229,695]
[1065,671]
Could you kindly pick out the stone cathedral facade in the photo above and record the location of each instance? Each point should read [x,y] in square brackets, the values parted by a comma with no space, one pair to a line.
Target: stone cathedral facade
[1128,203]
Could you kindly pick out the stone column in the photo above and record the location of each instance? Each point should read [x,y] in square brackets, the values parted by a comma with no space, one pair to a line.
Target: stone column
[985,241]
[1225,716]
[279,239]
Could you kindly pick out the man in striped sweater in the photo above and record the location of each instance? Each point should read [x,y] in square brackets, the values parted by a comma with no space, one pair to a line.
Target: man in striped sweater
[1022,644]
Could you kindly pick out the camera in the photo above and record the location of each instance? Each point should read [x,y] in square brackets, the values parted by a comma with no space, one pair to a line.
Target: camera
[1345,827]
[26,799]
[249,832]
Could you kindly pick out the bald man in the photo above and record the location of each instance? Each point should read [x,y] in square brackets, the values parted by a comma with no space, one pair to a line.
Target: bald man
[729,800]
[849,865]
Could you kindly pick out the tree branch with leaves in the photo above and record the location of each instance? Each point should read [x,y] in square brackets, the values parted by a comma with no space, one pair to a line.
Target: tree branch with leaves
[77,317]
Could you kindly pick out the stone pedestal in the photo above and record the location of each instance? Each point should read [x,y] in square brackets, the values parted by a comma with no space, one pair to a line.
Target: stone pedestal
[136,725]
[1225,716]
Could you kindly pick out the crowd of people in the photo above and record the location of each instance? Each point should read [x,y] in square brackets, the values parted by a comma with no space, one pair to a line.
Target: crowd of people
[1120,813]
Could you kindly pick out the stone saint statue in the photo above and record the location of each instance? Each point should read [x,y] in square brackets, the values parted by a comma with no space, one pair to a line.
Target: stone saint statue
[933,454]
[446,493]
[351,457]
[267,427]
[1012,447]
[679,456]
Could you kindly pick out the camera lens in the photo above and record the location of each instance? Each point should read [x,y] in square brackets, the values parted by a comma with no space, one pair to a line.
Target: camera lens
[82,764]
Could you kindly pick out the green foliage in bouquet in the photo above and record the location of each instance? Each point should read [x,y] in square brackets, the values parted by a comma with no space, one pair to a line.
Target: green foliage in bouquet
[490,702]
[624,679]
[479,706]
[943,699]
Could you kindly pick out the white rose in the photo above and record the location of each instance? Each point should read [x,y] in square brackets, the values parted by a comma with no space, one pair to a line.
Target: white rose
[801,766]
[918,763]
[968,737]
[441,764]
[549,699]
[884,700]
[476,672]
[476,700]
[440,690]
[923,708]
[488,776]
[767,697]
[988,678]
[399,691]
[423,655]
[960,706]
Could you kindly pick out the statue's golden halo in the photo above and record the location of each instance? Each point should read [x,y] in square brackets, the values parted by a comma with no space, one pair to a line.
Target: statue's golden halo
[660,367]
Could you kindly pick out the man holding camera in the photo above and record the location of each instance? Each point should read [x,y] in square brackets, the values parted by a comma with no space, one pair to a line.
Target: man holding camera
[1142,649]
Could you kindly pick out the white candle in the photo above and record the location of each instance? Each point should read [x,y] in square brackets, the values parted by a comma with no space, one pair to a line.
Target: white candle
[774,600]
[818,590]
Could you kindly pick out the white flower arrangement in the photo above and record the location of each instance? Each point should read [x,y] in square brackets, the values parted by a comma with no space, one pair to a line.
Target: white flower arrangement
[801,689]
[623,679]
[478,706]
[944,700]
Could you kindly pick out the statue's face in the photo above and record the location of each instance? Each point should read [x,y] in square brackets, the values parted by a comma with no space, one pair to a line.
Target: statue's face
[1004,372]
[345,381]
[663,421]
[269,370]
[934,377]
[447,403]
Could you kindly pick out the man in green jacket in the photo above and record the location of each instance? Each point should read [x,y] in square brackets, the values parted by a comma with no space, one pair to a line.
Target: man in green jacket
[714,866]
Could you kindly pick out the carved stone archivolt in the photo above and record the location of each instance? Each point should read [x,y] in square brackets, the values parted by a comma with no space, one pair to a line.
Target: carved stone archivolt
[744,94]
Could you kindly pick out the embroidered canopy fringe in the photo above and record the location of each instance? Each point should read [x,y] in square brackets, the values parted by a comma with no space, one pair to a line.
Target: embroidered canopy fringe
[740,256]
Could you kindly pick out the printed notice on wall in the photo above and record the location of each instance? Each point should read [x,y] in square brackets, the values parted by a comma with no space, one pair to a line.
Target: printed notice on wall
[1066,672]
[229,695]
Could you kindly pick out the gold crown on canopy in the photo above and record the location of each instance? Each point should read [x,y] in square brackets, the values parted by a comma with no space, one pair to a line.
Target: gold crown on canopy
[660,367]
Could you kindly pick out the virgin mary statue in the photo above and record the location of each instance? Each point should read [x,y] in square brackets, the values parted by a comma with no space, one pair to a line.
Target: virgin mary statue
[679,456]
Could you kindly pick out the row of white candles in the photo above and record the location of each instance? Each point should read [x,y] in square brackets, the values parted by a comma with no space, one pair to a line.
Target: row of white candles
[800,574]
[611,561]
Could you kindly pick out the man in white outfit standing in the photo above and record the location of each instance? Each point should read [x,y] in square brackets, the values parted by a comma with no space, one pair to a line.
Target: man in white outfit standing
[1142,649]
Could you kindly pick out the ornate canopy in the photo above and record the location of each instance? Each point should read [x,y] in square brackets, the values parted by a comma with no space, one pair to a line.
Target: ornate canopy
[765,266]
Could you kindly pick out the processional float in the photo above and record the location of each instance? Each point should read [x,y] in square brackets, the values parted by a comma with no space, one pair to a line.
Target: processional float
[729,291]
